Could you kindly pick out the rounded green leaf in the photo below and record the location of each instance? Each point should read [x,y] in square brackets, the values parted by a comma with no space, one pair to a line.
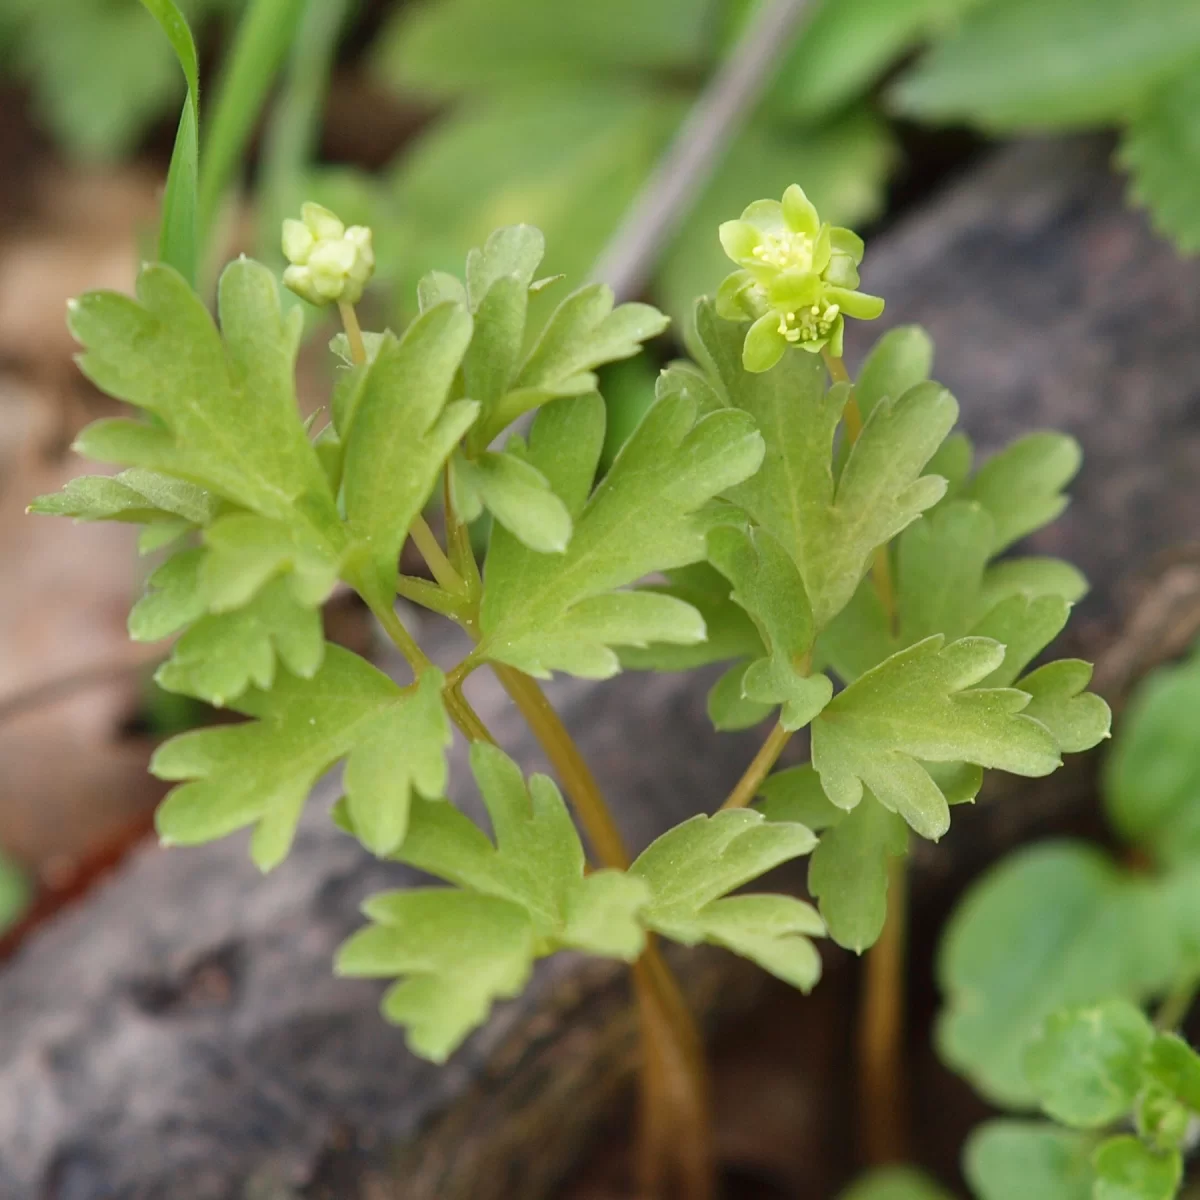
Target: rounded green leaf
[1152,777]
[1086,1063]
[1127,1169]
[739,239]
[895,1183]
[1174,1065]
[1054,925]
[1032,1160]
[1160,1119]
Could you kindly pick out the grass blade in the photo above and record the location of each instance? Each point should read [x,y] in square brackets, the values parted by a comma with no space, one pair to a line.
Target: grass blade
[291,134]
[178,238]
[263,37]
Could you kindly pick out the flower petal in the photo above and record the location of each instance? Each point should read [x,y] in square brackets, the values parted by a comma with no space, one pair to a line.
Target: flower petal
[298,279]
[322,222]
[297,241]
[799,212]
[790,290]
[766,216]
[822,251]
[733,303]
[855,304]
[846,241]
[764,345]
[841,271]
[739,240]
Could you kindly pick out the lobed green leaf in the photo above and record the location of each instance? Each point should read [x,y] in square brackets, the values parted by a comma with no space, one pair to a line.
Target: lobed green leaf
[583,333]
[921,704]
[458,953]
[1175,1066]
[830,527]
[650,513]
[690,869]
[537,860]
[848,873]
[768,586]
[1161,151]
[260,773]
[137,495]
[729,631]
[1021,487]
[517,494]
[224,653]
[403,430]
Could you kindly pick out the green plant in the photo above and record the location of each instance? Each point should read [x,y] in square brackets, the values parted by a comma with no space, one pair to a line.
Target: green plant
[1048,964]
[729,467]
[1084,941]
[797,527]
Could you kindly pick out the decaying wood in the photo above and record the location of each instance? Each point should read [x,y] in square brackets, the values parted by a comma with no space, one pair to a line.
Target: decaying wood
[181,1036]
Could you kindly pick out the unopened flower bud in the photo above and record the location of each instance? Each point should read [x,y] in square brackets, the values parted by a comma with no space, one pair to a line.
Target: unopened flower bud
[328,261]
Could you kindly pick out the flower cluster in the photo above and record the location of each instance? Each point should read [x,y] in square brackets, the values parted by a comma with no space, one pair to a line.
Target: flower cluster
[328,261]
[797,282]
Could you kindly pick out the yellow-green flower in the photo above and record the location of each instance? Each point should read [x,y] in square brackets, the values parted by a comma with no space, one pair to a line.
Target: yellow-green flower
[328,261]
[797,282]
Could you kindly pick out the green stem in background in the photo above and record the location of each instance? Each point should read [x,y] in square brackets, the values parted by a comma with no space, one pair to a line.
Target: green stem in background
[354,337]
[402,639]
[429,595]
[460,711]
[264,34]
[291,134]
[178,236]
[760,767]
[435,558]
[675,1150]
[881,1074]
[575,775]
[462,553]
[457,706]
[675,1153]
[1177,1003]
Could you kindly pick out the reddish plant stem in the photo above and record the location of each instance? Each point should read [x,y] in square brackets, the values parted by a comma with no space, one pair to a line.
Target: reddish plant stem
[675,1146]
[882,1082]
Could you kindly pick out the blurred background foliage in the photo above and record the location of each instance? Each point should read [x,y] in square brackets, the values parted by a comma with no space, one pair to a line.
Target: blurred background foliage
[554,112]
